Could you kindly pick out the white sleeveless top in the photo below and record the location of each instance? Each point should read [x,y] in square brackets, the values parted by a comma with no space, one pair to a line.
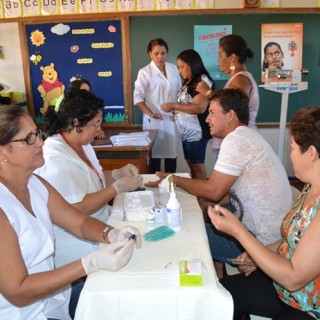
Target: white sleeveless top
[36,239]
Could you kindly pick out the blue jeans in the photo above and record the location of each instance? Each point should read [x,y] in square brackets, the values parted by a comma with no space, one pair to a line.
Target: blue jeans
[195,152]
[75,293]
[221,245]
[170,165]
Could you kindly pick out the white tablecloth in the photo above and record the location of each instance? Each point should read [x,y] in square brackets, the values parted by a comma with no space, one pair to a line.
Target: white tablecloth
[148,287]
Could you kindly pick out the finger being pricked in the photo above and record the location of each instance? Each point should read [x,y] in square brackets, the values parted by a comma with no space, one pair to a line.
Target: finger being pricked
[155,183]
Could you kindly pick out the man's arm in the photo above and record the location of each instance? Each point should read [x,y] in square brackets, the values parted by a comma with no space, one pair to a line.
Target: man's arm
[215,188]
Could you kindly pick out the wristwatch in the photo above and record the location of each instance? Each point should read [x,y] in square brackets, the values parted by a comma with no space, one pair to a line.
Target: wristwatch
[105,233]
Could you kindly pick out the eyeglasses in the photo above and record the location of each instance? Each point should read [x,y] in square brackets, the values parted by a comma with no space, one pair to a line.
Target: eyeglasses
[31,137]
[96,124]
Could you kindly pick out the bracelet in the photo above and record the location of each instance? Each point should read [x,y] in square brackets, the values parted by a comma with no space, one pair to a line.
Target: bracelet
[105,233]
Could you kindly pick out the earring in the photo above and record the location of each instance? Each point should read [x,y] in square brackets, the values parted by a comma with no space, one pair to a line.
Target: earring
[4,162]
[232,67]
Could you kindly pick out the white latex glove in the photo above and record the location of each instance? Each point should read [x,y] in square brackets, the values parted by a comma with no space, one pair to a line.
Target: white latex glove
[129,170]
[109,257]
[125,233]
[126,184]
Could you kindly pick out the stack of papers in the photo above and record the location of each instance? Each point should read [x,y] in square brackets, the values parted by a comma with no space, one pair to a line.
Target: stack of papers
[131,139]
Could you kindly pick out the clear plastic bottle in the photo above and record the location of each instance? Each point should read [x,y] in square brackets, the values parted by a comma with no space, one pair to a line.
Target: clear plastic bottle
[174,211]
[150,220]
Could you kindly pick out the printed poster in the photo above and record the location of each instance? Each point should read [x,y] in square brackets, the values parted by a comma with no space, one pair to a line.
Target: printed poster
[281,51]
[206,43]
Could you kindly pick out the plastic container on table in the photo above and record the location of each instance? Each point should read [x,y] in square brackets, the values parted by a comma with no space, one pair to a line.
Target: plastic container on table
[137,205]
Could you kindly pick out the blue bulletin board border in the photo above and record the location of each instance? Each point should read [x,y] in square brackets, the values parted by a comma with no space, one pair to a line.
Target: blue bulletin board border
[206,43]
[61,52]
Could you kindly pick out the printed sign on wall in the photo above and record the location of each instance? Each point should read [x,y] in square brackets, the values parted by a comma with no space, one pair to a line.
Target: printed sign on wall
[281,50]
[206,43]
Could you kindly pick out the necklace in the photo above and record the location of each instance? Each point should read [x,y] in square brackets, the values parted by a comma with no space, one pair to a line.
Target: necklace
[83,156]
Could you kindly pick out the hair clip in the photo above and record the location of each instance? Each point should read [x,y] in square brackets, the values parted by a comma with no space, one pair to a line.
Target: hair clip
[57,104]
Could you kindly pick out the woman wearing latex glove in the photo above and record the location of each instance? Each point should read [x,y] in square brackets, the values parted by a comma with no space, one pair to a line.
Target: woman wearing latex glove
[31,286]
[115,235]
[72,167]
[110,257]
[126,184]
[129,170]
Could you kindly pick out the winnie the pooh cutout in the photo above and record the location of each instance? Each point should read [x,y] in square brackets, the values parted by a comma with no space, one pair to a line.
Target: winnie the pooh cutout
[50,88]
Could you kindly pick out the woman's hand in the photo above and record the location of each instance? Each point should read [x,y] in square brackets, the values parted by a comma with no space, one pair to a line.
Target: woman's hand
[167,107]
[156,116]
[111,257]
[101,135]
[172,118]
[126,184]
[116,235]
[246,265]
[129,170]
[224,220]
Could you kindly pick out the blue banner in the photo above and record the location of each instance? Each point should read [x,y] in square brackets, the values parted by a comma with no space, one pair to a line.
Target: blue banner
[206,43]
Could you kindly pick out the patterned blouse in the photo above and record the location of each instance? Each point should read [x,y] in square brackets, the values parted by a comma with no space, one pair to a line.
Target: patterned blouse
[190,126]
[294,225]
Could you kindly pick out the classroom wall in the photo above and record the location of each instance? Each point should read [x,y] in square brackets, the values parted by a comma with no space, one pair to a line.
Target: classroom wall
[11,74]
[178,32]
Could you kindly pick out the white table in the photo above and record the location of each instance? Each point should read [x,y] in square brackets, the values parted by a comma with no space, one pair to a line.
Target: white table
[148,287]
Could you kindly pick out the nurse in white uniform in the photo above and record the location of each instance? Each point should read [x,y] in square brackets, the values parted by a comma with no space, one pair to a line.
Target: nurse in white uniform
[158,83]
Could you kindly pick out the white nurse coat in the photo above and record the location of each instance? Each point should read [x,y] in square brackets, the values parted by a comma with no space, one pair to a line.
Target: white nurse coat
[73,179]
[154,89]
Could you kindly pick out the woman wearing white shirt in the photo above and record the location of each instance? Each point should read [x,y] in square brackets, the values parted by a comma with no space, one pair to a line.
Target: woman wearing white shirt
[158,83]
[72,167]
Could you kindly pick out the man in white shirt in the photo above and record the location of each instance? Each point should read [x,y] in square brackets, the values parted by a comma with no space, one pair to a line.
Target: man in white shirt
[247,169]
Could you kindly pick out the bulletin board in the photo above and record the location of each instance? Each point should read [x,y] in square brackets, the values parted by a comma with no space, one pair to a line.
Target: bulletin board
[61,52]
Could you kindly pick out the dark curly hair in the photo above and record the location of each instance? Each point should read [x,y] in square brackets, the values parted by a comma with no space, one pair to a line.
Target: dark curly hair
[305,128]
[75,111]
[76,84]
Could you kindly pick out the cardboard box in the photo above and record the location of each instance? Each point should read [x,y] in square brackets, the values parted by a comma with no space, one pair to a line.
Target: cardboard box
[190,273]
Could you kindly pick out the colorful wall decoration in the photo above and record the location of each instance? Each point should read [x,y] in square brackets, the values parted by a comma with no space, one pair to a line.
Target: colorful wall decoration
[62,52]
